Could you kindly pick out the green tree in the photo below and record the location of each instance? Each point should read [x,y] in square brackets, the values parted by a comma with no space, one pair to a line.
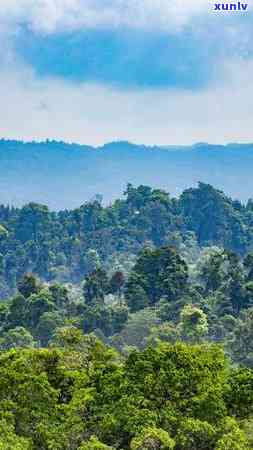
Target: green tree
[48,323]
[94,444]
[193,324]
[9,440]
[161,273]
[195,435]
[240,342]
[17,337]
[37,305]
[152,439]
[29,285]
[96,286]
[233,438]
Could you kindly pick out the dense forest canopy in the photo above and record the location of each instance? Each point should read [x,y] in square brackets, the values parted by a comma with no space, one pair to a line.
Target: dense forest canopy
[63,246]
[128,326]
[80,395]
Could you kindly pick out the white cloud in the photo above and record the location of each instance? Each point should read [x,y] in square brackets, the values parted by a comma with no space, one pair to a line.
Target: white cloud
[94,114]
[33,108]
[58,15]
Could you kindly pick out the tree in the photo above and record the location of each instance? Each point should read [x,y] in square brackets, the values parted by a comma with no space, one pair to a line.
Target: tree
[161,273]
[95,287]
[240,344]
[194,434]
[80,394]
[17,311]
[37,305]
[94,444]
[212,267]
[47,325]
[139,327]
[213,217]
[117,282]
[60,295]
[152,439]
[239,393]
[29,285]
[233,437]
[136,295]
[9,440]
[166,332]
[248,264]
[17,337]
[33,220]
[193,324]
[93,260]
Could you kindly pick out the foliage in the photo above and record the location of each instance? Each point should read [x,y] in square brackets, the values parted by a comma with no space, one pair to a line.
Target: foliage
[152,439]
[82,395]
[142,281]
[68,245]
[193,323]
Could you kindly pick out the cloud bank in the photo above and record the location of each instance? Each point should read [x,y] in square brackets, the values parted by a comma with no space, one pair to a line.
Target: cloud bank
[94,114]
[149,71]
[60,15]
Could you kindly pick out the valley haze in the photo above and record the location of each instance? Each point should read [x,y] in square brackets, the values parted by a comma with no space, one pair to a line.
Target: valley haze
[64,176]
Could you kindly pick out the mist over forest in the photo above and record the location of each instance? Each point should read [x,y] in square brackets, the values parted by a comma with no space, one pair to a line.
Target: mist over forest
[62,175]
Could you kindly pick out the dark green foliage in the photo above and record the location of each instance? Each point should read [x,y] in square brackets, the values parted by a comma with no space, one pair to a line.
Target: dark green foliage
[117,282]
[215,218]
[28,285]
[159,273]
[68,245]
[96,286]
[161,297]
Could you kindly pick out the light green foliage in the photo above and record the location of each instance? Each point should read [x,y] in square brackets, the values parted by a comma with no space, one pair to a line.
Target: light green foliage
[166,332]
[83,396]
[239,393]
[3,232]
[152,439]
[10,441]
[233,438]
[142,282]
[196,435]
[17,337]
[193,324]
[94,444]
[248,430]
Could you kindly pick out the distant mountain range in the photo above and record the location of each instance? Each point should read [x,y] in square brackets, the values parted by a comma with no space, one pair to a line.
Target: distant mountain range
[67,175]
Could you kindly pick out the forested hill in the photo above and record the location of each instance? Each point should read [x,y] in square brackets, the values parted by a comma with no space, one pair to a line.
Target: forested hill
[65,176]
[61,245]
[138,332]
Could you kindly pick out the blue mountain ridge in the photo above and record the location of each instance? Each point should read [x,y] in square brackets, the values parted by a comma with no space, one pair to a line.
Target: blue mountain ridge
[64,176]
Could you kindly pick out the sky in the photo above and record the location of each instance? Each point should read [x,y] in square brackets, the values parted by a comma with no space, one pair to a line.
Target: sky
[147,71]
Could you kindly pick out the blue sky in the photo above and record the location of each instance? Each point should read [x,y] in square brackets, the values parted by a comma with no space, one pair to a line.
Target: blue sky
[165,72]
[128,59]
